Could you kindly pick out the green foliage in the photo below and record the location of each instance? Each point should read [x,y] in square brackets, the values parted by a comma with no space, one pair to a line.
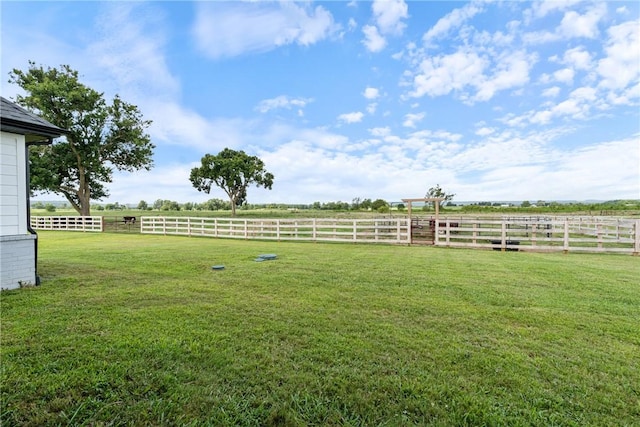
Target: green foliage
[49,207]
[143,205]
[114,206]
[232,171]
[138,330]
[379,204]
[101,137]
[438,192]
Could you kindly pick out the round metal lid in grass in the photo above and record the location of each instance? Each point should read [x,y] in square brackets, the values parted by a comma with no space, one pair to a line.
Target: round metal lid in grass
[218,267]
[268,256]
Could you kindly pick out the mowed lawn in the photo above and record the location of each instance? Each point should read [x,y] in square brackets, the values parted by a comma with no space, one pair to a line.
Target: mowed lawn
[139,330]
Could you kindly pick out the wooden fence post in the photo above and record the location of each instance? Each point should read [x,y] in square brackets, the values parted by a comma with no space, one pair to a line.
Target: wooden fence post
[565,247]
[636,244]
[355,231]
[447,231]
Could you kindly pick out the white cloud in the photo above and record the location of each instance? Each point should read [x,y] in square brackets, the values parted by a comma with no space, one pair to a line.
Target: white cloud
[371,107]
[373,41]
[578,58]
[452,20]
[380,132]
[540,37]
[354,117]
[227,29]
[130,51]
[439,75]
[577,106]
[388,15]
[174,124]
[608,168]
[620,67]
[464,71]
[485,131]
[541,8]
[411,120]
[575,25]
[371,93]
[170,182]
[564,75]
[551,92]
[512,70]
[281,101]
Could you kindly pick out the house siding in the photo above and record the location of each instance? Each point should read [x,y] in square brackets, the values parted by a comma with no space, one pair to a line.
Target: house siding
[17,246]
[13,189]
[17,266]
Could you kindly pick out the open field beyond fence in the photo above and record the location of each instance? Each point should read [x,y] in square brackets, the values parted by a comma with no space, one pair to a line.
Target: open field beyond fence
[131,329]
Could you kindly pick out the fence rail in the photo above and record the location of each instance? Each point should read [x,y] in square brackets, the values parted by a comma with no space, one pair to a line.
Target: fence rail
[562,234]
[308,229]
[68,223]
[585,234]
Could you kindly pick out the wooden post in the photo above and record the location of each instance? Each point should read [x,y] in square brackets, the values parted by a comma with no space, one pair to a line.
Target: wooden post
[636,245]
[315,230]
[447,231]
[474,239]
[599,234]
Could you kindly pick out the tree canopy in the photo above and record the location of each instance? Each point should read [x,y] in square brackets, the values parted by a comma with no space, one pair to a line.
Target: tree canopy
[438,192]
[102,136]
[232,171]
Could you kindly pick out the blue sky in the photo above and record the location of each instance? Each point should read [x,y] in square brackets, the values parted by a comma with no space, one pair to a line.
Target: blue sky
[492,100]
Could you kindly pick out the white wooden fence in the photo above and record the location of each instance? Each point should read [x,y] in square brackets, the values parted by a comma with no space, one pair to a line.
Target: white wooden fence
[567,234]
[564,234]
[67,223]
[385,230]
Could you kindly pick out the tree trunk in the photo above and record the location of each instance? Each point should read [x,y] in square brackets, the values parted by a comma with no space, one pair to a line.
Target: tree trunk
[84,194]
[233,206]
[85,204]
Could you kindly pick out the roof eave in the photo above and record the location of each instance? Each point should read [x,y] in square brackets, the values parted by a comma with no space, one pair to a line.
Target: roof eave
[32,131]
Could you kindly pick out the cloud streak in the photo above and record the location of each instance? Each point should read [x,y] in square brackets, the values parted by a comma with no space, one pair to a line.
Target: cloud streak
[228,29]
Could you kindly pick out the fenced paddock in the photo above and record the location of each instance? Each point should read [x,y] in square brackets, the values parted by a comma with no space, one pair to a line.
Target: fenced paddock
[534,233]
[68,223]
[567,234]
[305,229]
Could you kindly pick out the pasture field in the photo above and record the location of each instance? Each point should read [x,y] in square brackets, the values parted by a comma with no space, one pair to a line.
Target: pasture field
[132,329]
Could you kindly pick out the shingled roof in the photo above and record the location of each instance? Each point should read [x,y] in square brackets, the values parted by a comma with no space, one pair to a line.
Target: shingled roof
[15,119]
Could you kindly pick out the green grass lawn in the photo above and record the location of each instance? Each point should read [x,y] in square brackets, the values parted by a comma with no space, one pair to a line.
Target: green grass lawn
[139,330]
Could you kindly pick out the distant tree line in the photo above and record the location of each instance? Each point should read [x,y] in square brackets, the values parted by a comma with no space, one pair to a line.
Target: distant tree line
[366,205]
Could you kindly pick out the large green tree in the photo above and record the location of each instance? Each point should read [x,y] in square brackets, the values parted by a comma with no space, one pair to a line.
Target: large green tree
[102,136]
[233,171]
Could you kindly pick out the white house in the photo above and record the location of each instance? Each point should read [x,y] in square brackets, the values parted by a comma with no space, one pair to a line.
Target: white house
[19,128]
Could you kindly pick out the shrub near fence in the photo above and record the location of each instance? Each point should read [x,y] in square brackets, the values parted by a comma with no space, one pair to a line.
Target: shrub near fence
[586,234]
[308,229]
[68,223]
